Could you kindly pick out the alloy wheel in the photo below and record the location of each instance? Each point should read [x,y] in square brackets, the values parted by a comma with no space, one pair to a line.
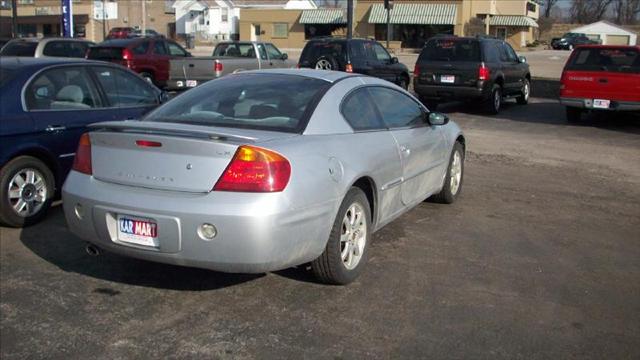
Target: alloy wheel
[27,192]
[353,236]
[323,64]
[455,175]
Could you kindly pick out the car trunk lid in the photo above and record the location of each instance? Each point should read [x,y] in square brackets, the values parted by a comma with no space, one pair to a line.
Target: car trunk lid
[167,156]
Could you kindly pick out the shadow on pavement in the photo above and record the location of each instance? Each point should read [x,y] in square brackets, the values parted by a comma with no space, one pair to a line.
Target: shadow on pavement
[51,241]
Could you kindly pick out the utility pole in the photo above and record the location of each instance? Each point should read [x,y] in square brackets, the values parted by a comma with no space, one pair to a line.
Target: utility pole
[144,17]
[14,18]
[349,19]
[104,21]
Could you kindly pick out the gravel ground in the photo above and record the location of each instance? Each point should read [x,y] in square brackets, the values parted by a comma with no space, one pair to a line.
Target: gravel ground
[538,259]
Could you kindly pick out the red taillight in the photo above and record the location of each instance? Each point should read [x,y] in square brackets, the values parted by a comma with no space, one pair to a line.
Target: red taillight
[147,143]
[82,161]
[218,67]
[483,72]
[126,54]
[348,68]
[255,169]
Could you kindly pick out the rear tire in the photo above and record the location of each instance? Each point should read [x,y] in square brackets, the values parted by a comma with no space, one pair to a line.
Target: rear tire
[27,188]
[148,77]
[453,180]
[573,114]
[523,99]
[493,104]
[346,252]
[326,63]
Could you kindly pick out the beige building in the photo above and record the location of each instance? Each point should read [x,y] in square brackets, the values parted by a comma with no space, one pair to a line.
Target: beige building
[412,21]
[43,17]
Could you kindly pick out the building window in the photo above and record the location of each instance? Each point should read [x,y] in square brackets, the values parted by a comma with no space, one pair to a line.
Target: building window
[23,2]
[224,14]
[501,33]
[280,30]
[531,7]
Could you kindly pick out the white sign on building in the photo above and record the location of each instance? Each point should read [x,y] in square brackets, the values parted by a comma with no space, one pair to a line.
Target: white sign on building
[102,10]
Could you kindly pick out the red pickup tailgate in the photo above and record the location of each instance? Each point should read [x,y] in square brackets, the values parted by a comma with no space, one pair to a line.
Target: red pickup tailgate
[603,72]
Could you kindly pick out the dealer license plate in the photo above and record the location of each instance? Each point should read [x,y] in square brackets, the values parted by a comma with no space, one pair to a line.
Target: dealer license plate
[137,231]
[192,83]
[601,104]
[447,79]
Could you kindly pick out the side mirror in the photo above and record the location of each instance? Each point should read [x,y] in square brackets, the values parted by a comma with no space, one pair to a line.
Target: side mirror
[163,97]
[436,118]
[394,60]
[522,59]
[285,56]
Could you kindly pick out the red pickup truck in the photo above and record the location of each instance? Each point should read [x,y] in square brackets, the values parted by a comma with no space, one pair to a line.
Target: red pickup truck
[148,56]
[601,77]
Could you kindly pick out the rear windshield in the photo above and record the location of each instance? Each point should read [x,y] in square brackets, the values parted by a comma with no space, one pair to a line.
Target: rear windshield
[252,101]
[317,49]
[105,53]
[606,59]
[448,49]
[19,48]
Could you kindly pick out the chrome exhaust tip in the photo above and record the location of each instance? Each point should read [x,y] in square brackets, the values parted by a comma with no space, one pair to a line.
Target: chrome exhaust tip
[92,250]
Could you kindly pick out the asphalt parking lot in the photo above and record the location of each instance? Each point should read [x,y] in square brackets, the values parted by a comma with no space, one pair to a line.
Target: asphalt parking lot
[539,259]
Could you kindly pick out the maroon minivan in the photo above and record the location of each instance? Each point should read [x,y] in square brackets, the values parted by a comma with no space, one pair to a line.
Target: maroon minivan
[147,56]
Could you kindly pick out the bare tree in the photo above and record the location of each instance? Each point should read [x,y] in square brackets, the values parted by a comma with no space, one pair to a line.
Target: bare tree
[626,11]
[548,6]
[588,11]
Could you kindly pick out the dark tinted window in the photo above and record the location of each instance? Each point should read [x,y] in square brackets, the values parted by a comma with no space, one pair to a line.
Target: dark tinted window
[124,89]
[19,48]
[381,54]
[509,53]
[62,88]
[72,49]
[159,48]
[235,50]
[357,51]
[397,109]
[317,49]
[141,48]
[105,53]
[450,49]
[491,51]
[360,112]
[603,59]
[254,101]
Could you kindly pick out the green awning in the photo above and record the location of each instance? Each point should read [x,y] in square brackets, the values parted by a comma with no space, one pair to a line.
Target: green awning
[323,16]
[515,20]
[421,14]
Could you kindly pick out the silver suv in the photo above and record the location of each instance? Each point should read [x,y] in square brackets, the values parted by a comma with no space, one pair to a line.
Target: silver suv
[46,47]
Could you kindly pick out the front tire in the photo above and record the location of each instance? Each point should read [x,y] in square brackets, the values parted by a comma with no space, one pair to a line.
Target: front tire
[346,252]
[453,180]
[523,99]
[27,188]
[494,102]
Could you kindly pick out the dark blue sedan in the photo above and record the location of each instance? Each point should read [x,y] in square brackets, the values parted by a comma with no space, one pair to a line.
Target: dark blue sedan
[45,105]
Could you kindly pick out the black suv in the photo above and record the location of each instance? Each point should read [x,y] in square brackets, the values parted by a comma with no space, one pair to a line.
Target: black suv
[481,69]
[569,41]
[354,55]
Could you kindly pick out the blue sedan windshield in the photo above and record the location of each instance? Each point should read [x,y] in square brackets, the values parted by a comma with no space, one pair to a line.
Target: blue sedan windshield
[254,101]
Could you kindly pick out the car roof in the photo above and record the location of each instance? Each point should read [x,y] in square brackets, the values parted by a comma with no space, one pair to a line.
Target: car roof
[121,42]
[330,76]
[17,62]
[595,46]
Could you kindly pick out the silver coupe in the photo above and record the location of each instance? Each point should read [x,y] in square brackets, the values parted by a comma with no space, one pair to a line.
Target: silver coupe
[264,170]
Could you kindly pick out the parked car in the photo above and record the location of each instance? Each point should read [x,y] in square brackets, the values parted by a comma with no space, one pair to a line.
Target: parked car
[263,170]
[570,40]
[120,33]
[228,57]
[601,78]
[354,55]
[479,69]
[41,47]
[45,105]
[147,33]
[147,56]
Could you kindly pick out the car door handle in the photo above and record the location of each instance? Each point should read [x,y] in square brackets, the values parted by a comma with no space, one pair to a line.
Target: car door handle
[604,81]
[54,128]
[191,65]
[405,150]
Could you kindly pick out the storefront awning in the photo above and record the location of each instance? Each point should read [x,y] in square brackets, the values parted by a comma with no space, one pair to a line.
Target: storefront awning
[505,20]
[323,16]
[421,14]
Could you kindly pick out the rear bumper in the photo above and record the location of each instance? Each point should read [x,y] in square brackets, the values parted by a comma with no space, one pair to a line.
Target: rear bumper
[440,92]
[587,104]
[255,232]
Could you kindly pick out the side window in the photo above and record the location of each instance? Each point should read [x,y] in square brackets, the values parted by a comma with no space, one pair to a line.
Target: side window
[56,48]
[62,88]
[78,49]
[124,89]
[175,49]
[273,52]
[397,109]
[159,49]
[141,48]
[369,51]
[381,53]
[360,112]
[502,53]
[262,51]
[511,54]
[491,52]
[357,51]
